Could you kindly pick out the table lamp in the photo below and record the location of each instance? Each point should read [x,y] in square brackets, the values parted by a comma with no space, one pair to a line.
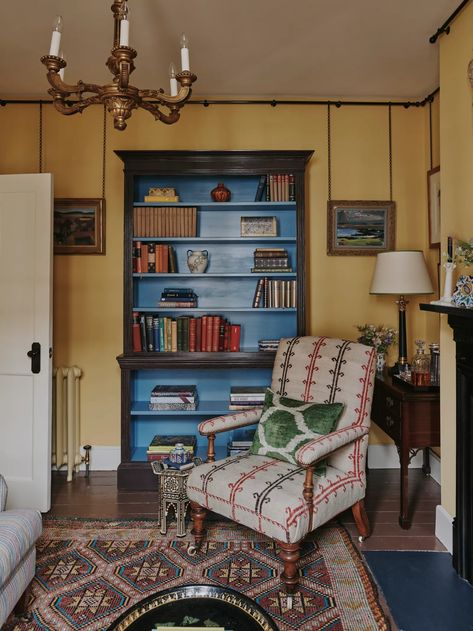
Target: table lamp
[402,272]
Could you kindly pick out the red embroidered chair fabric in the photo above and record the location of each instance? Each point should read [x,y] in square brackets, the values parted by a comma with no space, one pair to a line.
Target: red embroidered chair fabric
[279,499]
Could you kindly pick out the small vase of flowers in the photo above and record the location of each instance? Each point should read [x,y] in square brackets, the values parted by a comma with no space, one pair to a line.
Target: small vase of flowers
[379,337]
[463,294]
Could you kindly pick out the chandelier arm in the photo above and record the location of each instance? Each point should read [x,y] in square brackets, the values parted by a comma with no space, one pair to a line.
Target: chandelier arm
[66,89]
[76,106]
[166,99]
[168,119]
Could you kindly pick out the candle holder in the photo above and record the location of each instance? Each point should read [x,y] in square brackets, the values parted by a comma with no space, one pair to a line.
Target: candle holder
[446,298]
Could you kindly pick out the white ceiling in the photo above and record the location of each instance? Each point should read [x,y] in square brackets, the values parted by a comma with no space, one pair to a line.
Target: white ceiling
[361,49]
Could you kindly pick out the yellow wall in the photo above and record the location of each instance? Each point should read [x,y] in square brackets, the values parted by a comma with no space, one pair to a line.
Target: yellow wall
[456,141]
[88,289]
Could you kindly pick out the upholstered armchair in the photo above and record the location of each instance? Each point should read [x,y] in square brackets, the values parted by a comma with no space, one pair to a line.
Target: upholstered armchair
[286,499]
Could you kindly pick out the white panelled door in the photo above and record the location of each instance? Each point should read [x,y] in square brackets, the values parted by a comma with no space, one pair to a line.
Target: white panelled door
[26,203]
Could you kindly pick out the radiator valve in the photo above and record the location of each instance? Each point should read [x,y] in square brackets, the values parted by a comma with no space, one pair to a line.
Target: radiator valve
[86,459]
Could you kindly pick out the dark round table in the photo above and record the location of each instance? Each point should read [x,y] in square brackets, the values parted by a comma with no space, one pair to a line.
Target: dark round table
[191,606]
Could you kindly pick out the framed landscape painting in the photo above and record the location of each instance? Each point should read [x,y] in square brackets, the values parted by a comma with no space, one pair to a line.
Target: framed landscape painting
[79,226]
[360,227]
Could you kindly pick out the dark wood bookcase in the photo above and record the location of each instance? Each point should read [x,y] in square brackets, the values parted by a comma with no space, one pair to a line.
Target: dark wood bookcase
[226,288]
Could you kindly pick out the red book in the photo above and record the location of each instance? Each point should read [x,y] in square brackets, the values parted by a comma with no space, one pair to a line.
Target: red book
[157,456]
[215,333]
[203,336]
[198,334]
[164,262]
[209,327]
[235,331]
[192,335]
[136,333]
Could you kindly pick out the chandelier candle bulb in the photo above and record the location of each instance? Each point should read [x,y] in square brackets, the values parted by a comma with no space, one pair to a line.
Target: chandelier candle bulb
[185,63]
[124,32]
[56,36]
[172,79]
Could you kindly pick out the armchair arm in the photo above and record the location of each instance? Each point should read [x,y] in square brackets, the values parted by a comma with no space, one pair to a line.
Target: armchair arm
[229,421]
[3,493]
[326,444]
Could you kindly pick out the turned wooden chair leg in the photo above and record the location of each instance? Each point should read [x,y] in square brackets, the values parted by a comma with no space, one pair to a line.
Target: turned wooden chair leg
[361,520]
[198,514]
[290,553]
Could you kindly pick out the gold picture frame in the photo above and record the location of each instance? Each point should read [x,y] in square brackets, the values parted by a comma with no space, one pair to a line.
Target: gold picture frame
[79,226]
[360,228]
[433,190]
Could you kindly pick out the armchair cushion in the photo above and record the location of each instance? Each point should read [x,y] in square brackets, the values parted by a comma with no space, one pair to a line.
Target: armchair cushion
[288,424]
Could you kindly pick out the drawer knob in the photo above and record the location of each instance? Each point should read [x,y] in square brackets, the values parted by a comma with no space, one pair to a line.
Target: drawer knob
[389,402]
[389,421]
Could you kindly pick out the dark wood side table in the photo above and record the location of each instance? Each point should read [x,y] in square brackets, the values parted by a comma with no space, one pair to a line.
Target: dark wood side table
[412,419]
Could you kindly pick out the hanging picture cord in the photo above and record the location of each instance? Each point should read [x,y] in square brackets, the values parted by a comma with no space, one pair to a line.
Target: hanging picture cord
[329,154]
[430,134]
[390,154]
[40,157]
[104,149]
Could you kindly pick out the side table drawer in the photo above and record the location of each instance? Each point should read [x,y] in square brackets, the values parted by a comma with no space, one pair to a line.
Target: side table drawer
[386,413]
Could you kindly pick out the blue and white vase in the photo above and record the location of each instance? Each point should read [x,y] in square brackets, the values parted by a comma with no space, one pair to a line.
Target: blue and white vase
[179,454]
[463,294]
[380,362]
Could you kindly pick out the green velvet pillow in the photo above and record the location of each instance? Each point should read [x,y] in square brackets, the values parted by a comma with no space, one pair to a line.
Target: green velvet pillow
[287,424]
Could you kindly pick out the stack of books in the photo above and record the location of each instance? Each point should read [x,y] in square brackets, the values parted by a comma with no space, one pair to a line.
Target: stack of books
[157,194]
[161,446]
[171,397]
[241,442]
[271,260]
[178,298]
[268,345]
[246,397]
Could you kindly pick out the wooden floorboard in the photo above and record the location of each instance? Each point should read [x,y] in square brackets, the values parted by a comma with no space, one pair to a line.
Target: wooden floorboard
[98,497]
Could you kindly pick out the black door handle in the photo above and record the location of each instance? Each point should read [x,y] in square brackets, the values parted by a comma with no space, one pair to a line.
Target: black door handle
[35,355]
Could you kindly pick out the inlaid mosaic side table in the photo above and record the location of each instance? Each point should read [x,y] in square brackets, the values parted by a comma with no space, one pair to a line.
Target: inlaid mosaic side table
[172,492]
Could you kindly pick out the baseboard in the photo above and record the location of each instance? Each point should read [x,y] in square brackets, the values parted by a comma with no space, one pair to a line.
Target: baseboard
[102,458]
[443,527]
[435,467]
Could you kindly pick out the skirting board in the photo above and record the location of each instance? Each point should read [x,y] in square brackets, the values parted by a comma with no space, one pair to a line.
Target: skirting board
[443,527]
[104,458]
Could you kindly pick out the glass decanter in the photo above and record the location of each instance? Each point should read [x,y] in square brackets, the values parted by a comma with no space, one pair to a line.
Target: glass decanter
[420,369]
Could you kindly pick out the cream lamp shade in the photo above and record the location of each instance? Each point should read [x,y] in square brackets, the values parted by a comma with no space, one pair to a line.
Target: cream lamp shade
[401,272]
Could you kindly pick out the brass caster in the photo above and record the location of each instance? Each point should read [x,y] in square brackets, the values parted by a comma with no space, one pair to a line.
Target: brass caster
[361,538]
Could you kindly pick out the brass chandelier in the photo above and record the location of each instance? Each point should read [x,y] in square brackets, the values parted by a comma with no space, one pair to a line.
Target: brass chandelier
[119,97]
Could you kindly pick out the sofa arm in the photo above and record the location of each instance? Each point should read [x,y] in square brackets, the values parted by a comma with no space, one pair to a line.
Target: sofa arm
[230,421]
[328,443]
[3,493]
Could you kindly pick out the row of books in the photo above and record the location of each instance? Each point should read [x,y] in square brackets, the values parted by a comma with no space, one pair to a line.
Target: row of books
[164,221]
[241,441]
[208,333]
[245,397]
[172,397]
[275,294]
[149,257]
[161,445]
[277,187]
[178,298]
[270,260]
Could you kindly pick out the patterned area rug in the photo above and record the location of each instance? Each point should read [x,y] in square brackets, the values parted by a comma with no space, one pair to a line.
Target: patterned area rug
[91,571]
